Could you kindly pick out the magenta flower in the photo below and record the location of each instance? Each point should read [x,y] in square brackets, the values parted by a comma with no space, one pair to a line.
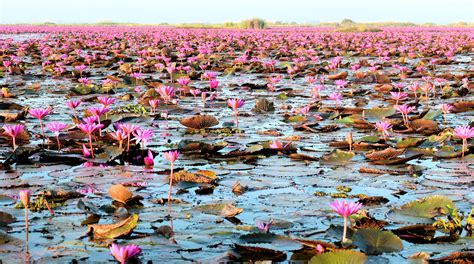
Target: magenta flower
[184,81]
[40,114]
[340,83]
[119,135]
[106,101]
[304,110]
[195,93]
[398,96]
[337,97]
[171,156]
[56,127]
[123,253]
[166,92]
[13,131]
[464,133]
[404,110]
[213,84]
[446,108]
[235,104]
[142,136]
[345,209]
[383,127]
[129,129]
[264,225]
[97,112]
[89,129]
[153,104]
[209,75]
[73,105]
[148,160]
[85,152]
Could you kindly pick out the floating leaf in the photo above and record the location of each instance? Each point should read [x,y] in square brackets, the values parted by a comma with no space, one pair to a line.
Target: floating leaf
[269,241]
[225,210]
[296,119]
[387,153]
[338,157]
[432,114]
[345,120]
[408,142]
[427,207]
[379,113]
[199,121]
[116,230]
[375,241]
[340,257]
[263,105]
[119,193]
[200,176]
[253,254]
[369,139]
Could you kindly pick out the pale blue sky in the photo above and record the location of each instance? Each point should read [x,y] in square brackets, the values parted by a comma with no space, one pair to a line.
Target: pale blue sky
[212,11]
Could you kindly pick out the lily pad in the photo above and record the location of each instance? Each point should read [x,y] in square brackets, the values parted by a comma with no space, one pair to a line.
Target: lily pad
[379,113]
[338,157]
[375,241]
[427,207]
[339,257]
[111,231]
[269,241]
[225,210]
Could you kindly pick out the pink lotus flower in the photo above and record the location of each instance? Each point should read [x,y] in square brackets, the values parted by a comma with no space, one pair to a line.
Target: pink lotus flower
[398,96]
[25,197]
[25,200]
[153,104]
[404,110]
[149,160]
[209,75]
[264,225]
[446,108]
[383,127]
[304,110]
[40,114]
[195,93]
[106,101]
[166,92]
[119,135]
[89,129]
[184,81]
[85,152]
[123,253]
[56,127]
[73,105]
[129,129]
[464,133]
[13,131]
[340,83]
[213,84]
[142,136]
[345,209]
[171,156]
[235,104]
[337,97]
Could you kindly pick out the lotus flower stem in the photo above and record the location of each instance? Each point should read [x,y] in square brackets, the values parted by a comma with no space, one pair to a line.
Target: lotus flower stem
[26,222]
[464,145]
[171,183]
[59,144]
[90,145]
[42,129]
[344,232]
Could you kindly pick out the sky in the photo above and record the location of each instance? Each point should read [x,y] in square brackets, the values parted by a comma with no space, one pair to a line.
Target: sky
[218,11]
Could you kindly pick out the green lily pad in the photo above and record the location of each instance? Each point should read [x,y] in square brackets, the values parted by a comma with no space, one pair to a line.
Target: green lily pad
[338,157]
[375,241]
[296,119]
[369,139]
[111,231]
[282,96]
[379,113]
[345,120]
[409,142]
[448,152]
[427,207]
[82,89]
[432,114]
[225,210]
[340,257]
